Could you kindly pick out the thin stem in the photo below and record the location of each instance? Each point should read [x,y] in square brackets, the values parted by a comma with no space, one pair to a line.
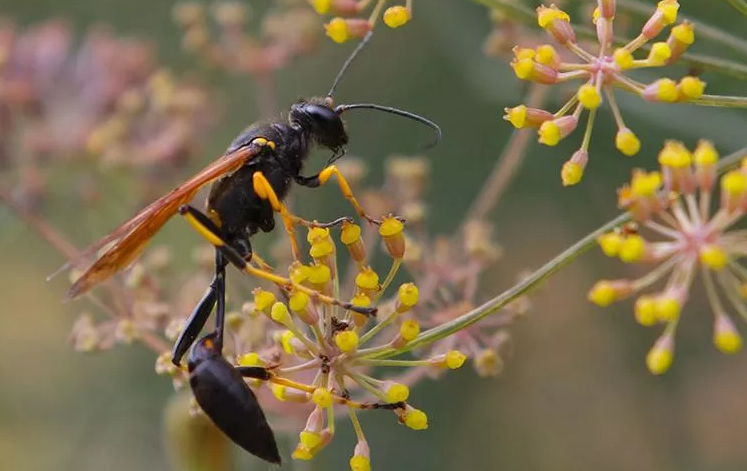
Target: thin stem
[610,94]
[730,287]
[721,101]
[377,328]
[497,303]
[396,263]
[589,126]
[315,363]
[567,107]
[41,226]
[401,363]
[739,5]
[508,163]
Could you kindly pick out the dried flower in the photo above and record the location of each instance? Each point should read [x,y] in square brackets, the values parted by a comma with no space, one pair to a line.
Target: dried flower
[107,98]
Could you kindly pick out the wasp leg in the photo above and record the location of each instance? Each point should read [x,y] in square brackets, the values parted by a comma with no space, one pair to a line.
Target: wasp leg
[215,294]
[193,325]
[256,372]
[207,228]
[264,190]
[322,177]
[264,374]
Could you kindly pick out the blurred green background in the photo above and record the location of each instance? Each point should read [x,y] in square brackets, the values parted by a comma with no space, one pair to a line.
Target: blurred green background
[575,394]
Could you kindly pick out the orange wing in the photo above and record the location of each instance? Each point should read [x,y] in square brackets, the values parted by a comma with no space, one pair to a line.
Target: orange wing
[133,235]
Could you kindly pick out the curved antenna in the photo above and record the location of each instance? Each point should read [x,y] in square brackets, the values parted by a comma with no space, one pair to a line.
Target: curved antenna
[405,114]
[347,63]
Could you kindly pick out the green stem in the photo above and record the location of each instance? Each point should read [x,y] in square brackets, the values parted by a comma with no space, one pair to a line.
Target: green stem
[740,5]
[528,16]
[528,284]
[721,101]
[500,301]
[400,363]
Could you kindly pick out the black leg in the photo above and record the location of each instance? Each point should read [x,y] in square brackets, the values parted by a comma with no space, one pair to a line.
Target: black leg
[256,372]
[220,294]
[196,321]
[313,181]
[194,325]
[309,182]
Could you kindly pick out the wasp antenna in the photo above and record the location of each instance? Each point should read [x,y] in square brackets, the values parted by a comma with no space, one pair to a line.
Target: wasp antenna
[347,63]
[406,114]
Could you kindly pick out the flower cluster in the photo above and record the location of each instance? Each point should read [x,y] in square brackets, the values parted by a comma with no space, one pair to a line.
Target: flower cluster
[347,25]
[602,73]
[689,238]
[449,278]
[108,98]
[324,357]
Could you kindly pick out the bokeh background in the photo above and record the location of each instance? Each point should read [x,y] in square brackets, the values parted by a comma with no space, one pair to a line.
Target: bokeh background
[575,393]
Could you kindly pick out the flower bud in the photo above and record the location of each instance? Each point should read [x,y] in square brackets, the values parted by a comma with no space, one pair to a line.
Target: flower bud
[394,17]
[351,237]
[391,231]
[557,23]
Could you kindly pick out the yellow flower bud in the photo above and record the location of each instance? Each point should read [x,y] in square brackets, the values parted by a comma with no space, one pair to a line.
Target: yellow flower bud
[394,17]
[337,30]
[396,392]
[416,419]
[322,397]
[627,142]
[455,359]
[346,341]
[280,313]
[589,96]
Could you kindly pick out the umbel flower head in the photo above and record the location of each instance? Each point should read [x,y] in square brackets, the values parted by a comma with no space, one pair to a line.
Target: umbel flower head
[322,358]
[601,72]
[450,276]
[324,361]
[689,239]
[347,24]
[327,352]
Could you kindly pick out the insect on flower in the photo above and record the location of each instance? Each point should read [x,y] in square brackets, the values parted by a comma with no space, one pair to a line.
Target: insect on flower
[690,239]
[601,72]
[251,180]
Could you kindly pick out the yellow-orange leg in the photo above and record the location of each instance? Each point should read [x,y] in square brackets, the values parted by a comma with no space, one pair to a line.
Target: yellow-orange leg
[346,191]
[264,190]
[206,228]
[261,264]
[266,375]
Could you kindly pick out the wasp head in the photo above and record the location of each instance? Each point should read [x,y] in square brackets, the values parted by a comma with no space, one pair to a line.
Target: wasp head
[321,122]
